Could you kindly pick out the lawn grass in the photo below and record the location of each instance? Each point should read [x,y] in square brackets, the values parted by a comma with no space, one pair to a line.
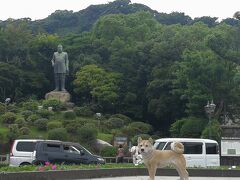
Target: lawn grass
[35,133]
[105,137]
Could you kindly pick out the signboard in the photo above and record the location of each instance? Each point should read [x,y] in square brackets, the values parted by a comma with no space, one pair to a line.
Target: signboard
[120,140]
[230,147]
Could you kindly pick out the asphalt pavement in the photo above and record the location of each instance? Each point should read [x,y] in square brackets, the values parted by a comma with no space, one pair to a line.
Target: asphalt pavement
[166,178]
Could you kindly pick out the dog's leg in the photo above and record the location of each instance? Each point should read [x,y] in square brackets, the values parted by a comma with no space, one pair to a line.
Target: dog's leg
[182,172]
[186,175]
[179,172]
[152,171]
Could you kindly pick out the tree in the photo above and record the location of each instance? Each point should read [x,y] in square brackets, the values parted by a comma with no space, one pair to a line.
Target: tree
[97,85]
[11,80]
[210,21]
[201,76]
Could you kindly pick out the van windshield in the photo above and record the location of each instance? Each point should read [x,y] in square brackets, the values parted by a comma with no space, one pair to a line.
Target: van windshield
[82,148]
[159,145]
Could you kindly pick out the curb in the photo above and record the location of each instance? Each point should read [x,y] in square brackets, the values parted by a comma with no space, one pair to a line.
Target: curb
[100,173]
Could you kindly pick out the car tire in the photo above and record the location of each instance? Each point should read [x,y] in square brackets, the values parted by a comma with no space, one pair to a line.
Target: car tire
[25,164]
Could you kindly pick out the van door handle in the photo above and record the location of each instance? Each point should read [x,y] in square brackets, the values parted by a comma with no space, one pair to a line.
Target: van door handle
[65,155]
[45,154]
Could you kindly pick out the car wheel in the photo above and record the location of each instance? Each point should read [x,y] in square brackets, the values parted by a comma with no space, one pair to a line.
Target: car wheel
[25,164]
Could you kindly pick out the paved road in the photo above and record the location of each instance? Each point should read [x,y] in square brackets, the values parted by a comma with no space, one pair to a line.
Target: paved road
[166,178]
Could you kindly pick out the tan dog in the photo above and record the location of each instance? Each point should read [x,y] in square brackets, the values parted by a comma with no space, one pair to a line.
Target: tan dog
[156,158]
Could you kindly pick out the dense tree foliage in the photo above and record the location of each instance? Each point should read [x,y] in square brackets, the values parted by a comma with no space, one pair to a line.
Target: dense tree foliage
[156,68]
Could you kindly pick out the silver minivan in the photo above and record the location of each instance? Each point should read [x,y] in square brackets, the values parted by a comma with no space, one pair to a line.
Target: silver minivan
[197,152]
[22,151]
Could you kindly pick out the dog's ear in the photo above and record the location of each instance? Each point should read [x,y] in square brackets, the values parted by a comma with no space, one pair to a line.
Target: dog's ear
[139,139]
[150,140]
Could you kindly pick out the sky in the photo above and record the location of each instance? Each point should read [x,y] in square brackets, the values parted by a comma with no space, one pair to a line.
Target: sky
[39,9]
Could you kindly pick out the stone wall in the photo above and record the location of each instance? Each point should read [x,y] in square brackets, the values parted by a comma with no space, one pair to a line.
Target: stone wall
[230,130]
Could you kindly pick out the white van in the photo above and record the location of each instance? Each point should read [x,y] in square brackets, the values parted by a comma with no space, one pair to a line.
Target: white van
[22,152]
[197,152]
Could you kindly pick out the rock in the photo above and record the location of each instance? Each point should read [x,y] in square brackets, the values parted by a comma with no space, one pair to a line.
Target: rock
[69,105]
[100,144]
[62,96]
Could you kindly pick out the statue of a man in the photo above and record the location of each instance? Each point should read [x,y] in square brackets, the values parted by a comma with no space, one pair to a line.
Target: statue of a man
[60,64]
[237,15]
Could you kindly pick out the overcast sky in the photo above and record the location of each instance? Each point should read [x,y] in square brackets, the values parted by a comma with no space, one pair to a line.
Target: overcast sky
[39,9]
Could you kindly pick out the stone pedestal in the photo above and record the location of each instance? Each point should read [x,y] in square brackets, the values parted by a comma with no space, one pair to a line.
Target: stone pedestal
[62,96]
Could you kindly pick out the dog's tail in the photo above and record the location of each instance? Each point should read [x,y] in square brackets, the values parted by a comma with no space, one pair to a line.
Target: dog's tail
[177,147]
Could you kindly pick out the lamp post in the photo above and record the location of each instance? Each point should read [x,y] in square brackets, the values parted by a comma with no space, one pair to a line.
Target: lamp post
[209,109]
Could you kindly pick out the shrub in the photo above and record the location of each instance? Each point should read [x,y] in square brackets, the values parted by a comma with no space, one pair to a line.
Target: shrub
[41,124]
[2,164]
[20,122]
[2,108]
[13,132]
[27,136]
[32,118]
[55,104]
[54,125]
[44,113]
[26,114]
[86,121]
[69,115]
[135,138]
[83,111]
[87,134]
[31,105]
[24,131]
[72,127]
[12,108]
[137,128]
[176,127]
[58,134]
[9,118]
[214,131]
[114,123]
[81,121]
[126,119]
[108,151]
[192,128]
[3,138]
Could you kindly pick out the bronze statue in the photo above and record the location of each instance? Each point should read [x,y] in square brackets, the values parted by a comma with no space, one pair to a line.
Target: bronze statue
[237,15]
[60,65]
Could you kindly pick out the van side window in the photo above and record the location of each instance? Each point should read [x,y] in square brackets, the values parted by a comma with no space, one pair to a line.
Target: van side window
[168,146]
[192,147]
[52,147]
[211,148]
[70,149]
[26,146]
[160,145]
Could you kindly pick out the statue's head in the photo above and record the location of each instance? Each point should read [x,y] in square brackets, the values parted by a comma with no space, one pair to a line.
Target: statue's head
[237,15]
[60,48]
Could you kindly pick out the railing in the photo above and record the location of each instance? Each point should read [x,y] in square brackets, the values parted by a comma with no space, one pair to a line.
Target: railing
[4,158]
[114,159]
